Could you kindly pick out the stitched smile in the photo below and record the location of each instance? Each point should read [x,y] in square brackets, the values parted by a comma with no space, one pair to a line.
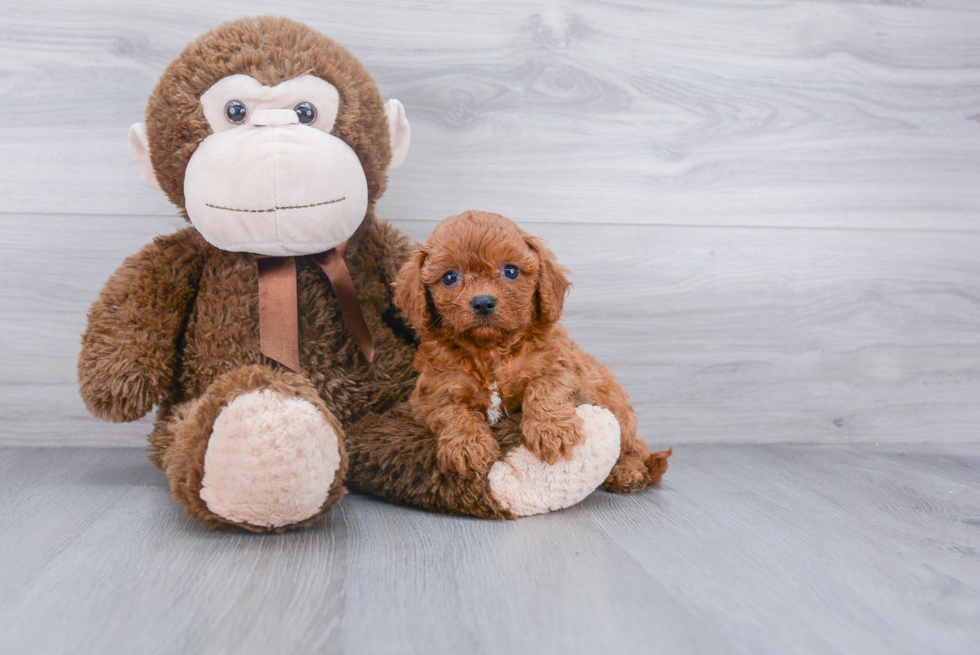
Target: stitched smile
[262,211]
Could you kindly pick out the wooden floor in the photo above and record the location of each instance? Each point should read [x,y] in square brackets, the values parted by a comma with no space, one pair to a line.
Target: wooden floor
[744,549]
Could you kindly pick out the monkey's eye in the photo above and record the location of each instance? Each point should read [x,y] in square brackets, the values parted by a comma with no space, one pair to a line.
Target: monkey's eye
[450,278]
[236,112]
[306,113]
[511,272]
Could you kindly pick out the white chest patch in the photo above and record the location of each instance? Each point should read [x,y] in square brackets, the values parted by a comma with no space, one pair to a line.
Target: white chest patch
[494,412]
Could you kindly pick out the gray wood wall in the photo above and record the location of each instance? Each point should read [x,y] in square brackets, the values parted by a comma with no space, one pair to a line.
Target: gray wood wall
[770,208]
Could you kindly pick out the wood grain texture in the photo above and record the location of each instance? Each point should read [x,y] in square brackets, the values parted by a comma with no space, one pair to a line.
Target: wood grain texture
[770,208]
[720,335]
[771,212]
[788,113]
[743,549]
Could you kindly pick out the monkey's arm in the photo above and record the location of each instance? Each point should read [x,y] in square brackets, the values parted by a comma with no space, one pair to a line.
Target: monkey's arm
[397,248]
[393,249]
[128,351]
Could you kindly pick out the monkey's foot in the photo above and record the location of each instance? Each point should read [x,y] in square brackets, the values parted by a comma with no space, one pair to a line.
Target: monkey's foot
[524,485]
[271,460]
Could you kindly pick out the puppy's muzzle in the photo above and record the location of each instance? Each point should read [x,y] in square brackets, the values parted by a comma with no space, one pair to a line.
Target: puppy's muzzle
[483,305]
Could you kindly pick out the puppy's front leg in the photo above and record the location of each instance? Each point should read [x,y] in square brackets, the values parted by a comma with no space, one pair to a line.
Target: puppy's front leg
[465,443]
[550,425]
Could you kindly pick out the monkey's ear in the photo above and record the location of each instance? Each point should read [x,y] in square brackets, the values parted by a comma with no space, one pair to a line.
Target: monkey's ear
[399,131]
[411,295]
[139,152]
[552,281]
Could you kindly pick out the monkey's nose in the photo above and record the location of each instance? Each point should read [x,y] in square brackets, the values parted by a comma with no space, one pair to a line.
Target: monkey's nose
[483,305]
[273,117]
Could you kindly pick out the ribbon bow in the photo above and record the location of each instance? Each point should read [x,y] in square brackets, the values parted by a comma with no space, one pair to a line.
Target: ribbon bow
[278,313]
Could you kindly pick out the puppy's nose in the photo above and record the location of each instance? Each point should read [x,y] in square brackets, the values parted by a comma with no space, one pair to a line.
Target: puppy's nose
[483,305]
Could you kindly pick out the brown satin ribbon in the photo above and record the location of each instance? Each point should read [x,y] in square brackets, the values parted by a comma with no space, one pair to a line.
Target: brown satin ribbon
[278,313]
[332,263]
[278,317]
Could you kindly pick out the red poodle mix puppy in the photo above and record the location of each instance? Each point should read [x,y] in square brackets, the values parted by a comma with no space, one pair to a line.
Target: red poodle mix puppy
[486,298]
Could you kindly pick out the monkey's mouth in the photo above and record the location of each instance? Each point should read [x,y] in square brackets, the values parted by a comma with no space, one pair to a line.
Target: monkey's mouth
[274,209]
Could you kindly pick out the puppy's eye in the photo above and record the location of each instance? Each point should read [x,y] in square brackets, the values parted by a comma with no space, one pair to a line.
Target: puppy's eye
[511,272]
[450,278]
[236,112]
[306,113]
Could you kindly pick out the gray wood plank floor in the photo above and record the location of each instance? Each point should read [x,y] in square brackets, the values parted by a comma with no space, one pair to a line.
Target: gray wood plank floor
[744,549]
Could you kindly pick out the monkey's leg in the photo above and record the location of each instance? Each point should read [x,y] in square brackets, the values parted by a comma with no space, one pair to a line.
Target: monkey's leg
[394,458]
[259,450]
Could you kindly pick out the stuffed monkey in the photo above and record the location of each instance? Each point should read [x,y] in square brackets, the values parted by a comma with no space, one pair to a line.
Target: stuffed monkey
[265,332]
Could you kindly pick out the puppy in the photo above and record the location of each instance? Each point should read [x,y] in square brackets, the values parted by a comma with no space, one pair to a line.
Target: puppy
[486,297]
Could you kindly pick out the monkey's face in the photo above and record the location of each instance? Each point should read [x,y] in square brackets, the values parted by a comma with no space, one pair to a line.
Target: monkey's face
[272,138]
[271,179]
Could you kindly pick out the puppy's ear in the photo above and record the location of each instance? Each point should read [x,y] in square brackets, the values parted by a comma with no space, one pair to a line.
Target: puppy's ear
[552,281]
[410,293]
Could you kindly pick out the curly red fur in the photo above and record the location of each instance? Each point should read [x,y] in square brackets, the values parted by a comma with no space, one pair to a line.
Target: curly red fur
[519,350]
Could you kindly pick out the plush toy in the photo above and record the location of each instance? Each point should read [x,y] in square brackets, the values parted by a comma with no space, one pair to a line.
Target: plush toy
[265,332]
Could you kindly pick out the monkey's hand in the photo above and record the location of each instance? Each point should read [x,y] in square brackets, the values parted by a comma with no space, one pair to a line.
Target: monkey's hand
[128,354]
[117,381]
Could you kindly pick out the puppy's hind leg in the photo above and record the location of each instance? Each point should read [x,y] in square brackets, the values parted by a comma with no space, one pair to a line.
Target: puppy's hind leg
[637,468]
[636,472]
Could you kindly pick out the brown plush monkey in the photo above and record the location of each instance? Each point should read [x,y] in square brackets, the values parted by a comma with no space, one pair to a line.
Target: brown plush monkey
[265,332]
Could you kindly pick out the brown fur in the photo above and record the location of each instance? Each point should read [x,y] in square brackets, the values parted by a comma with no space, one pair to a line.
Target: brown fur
[177,324]
[394,457]
[186,435]
[272,50]
[520,347]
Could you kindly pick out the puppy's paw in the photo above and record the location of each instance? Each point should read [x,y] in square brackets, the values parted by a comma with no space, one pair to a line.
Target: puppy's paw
[467,456]
[553,439]
[630,474]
